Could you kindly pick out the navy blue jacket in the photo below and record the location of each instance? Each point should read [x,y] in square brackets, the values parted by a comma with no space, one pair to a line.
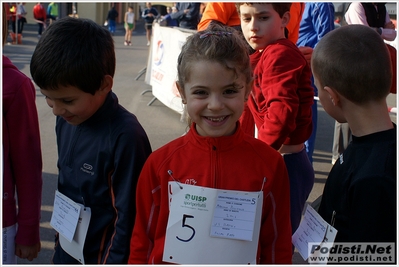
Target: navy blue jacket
[99,162]
[149,19]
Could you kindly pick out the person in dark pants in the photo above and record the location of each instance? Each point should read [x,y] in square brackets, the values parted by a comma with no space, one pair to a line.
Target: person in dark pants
[149,15]
[39,13]
[111,19]
[21,13]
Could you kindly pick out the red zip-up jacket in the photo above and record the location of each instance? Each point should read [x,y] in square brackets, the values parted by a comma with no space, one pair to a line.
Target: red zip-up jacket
[39,12]
[282,96]
[22,158]
[237,162]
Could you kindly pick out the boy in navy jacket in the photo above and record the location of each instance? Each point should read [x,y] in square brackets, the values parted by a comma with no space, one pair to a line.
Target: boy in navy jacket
[101,146]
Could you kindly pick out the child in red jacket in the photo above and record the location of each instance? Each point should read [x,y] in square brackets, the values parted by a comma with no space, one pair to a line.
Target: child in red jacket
[281,100]
[214,80]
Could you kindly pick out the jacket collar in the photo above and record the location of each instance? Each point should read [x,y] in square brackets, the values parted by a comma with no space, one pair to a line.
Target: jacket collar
[222,143]
[105,111]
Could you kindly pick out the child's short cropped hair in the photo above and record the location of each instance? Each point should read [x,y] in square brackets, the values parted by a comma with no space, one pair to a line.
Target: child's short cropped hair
[280,8]
[73,52]
[354,61]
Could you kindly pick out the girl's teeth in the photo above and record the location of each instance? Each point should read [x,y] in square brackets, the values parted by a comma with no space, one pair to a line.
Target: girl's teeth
[216,119]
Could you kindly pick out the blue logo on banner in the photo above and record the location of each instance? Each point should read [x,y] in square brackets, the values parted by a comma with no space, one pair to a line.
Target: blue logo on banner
[159,53]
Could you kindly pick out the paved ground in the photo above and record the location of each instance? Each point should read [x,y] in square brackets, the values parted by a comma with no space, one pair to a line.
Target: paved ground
[161,123]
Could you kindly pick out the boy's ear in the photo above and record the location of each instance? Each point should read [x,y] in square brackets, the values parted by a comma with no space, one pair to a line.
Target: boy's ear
[182,93]
[334,96]
[107,84]
[285,19]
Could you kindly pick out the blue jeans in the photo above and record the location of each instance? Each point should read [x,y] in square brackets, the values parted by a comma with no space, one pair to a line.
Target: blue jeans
[111,25]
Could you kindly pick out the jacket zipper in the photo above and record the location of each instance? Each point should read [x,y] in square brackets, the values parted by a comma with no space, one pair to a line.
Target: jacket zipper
[214,165]
[72,146]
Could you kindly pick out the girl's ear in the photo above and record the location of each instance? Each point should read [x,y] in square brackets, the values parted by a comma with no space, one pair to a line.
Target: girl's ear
[285,19]
[106,85]
[182,93]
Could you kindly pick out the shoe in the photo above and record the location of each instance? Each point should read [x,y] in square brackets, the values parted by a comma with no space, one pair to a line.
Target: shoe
[130,43]
[125,42]
[148,43]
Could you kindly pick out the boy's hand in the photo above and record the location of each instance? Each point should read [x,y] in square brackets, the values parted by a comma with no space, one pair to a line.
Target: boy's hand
[27,252]
[307,52]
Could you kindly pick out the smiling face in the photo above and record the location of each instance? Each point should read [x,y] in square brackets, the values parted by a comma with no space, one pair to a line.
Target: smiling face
[215,98]
[74,105]
[262,25]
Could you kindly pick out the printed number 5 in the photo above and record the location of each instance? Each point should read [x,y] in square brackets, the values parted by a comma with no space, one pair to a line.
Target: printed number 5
[185,216]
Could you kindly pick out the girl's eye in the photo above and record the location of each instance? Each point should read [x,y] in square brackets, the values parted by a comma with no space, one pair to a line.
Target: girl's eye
[199,92]
[230,91]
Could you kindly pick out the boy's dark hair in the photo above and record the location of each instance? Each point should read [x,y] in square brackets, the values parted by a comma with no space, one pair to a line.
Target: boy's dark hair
[280,8]
[73,52]
[354,61]
[218,43]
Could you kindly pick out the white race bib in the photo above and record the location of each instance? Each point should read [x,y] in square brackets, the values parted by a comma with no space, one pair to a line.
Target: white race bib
[212,226]
[66,214]
[313,229]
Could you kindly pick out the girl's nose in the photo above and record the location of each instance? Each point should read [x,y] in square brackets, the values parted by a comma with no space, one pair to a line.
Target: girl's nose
[215,103]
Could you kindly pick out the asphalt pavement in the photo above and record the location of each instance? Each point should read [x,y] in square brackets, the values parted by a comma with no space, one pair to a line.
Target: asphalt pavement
[161,123]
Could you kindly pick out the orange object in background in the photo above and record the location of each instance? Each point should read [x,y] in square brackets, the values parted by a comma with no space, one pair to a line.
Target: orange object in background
[296,12]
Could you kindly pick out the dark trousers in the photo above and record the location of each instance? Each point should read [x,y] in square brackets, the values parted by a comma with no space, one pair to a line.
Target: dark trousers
[301,175]
[21,23]
[40,26]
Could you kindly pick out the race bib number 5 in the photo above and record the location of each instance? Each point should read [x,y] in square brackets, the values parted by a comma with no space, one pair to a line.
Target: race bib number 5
[212,226]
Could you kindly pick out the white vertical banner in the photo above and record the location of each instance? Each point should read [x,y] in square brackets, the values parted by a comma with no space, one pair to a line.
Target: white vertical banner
[166,45]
